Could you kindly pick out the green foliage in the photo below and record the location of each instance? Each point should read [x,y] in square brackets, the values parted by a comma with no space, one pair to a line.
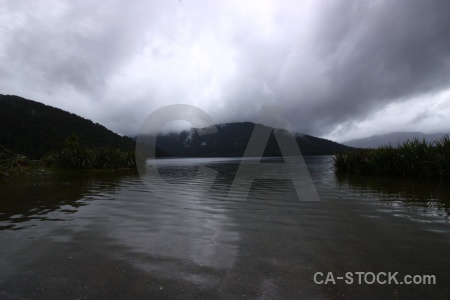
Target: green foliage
[12,163]
[74,156]
[34,129]
[412,158]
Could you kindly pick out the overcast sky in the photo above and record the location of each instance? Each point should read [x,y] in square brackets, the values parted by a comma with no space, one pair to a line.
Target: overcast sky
[340,69]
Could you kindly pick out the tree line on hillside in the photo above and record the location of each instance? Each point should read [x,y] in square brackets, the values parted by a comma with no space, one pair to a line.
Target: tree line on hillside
[34,129]
[231,140]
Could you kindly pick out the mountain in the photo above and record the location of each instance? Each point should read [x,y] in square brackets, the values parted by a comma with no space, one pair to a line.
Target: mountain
[231,140]
[33,129]
[393,139]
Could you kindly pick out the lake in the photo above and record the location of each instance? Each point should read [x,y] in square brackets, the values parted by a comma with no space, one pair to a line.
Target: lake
[109,235]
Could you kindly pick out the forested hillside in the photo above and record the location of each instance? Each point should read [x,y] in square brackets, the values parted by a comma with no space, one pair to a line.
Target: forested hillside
[232,139]
[33,129]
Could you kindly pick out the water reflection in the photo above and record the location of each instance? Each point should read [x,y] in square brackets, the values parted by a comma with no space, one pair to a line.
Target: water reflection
[426,198]
[34,197]
[27,198]
[118,238]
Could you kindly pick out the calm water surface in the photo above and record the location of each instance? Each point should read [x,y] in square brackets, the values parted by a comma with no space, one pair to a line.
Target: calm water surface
[107,235]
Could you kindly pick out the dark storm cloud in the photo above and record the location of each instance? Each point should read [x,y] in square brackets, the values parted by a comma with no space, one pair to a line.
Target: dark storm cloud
[335,66]
[371,55]
[79,46]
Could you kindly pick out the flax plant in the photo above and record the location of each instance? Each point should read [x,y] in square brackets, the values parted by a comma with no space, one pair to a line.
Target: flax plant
[12,162]
[412,158]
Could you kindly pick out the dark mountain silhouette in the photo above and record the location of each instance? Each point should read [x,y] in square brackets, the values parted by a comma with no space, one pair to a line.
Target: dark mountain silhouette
[33,129]
[393,138]
[231,141]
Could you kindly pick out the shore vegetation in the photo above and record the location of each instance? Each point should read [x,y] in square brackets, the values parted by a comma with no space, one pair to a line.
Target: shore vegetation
[71,155]
[410,159]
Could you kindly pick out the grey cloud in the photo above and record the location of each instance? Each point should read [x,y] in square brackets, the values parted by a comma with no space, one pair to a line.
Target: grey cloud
[79,46]
[328,63]
[362,57]
[395,50]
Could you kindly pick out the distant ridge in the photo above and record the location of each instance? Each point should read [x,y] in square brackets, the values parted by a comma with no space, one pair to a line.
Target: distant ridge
[393,139]
[33,129]
[232,139]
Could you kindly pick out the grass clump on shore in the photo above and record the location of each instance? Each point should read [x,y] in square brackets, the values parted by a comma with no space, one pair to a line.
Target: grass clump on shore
[12,163]
[412,158]
[76,157]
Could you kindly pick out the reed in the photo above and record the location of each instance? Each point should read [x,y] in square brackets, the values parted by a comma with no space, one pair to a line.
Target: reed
[412,158]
